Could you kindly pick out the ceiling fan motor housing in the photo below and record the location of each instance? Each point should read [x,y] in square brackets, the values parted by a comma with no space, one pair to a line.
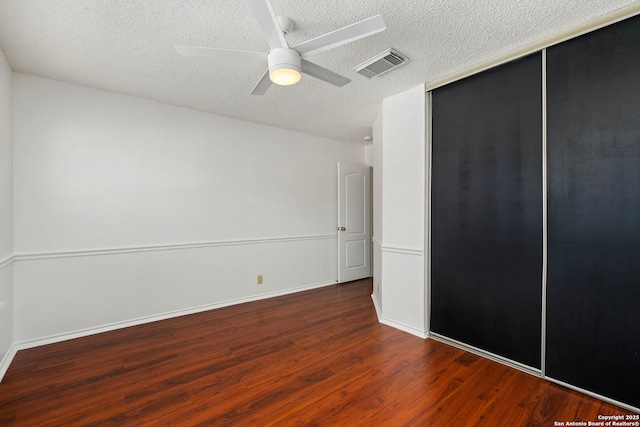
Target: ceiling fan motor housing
[284,59]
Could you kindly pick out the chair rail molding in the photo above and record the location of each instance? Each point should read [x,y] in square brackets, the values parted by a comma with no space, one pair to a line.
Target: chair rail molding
[27,256]
[401,250]
[6,261]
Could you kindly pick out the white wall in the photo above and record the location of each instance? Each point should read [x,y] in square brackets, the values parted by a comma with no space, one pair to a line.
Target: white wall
[127,208]
[6,212]
[403,209]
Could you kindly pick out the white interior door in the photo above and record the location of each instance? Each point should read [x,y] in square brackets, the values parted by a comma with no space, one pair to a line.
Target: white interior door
[354,222]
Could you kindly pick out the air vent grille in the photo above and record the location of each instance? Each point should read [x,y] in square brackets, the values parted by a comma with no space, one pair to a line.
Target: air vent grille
[381,63]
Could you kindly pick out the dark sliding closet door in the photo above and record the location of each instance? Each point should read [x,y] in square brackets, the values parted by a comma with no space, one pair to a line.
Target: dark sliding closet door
[593,308]
[487,211]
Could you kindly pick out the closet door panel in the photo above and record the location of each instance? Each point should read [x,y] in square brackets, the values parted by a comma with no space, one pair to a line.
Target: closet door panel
[593,299]
[487,211]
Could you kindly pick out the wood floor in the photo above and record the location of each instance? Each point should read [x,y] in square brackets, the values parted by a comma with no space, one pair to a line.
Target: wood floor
[308,359]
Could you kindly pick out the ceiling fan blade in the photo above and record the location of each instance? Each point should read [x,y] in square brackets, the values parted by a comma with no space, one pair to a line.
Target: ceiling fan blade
[263,85]
[322,73]
[268,22]
[344,35]
[219,53]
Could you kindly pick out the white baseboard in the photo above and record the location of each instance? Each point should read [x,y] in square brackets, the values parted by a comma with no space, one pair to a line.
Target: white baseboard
[377,306]
[6,360]
[142,320]
[404,327]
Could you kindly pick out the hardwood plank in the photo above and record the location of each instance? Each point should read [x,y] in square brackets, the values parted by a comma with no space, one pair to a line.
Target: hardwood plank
[318,357]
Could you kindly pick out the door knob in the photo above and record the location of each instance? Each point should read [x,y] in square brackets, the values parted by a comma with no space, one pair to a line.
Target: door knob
[342,229]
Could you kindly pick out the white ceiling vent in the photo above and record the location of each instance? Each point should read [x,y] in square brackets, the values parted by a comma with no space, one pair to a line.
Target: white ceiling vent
[381,63]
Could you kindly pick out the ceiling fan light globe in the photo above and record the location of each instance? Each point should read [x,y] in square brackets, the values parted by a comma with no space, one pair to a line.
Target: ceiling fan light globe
[285,76]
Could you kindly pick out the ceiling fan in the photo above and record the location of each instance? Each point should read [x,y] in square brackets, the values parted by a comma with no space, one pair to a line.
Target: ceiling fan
[286,63]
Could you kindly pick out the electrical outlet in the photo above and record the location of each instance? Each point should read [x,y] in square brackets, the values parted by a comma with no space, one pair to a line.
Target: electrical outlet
[260,279]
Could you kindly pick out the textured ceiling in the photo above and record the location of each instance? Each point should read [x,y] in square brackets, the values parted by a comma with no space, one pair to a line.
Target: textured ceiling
[126,46]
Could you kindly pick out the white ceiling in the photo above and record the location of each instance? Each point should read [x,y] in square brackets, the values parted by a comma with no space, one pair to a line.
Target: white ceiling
[126,46]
